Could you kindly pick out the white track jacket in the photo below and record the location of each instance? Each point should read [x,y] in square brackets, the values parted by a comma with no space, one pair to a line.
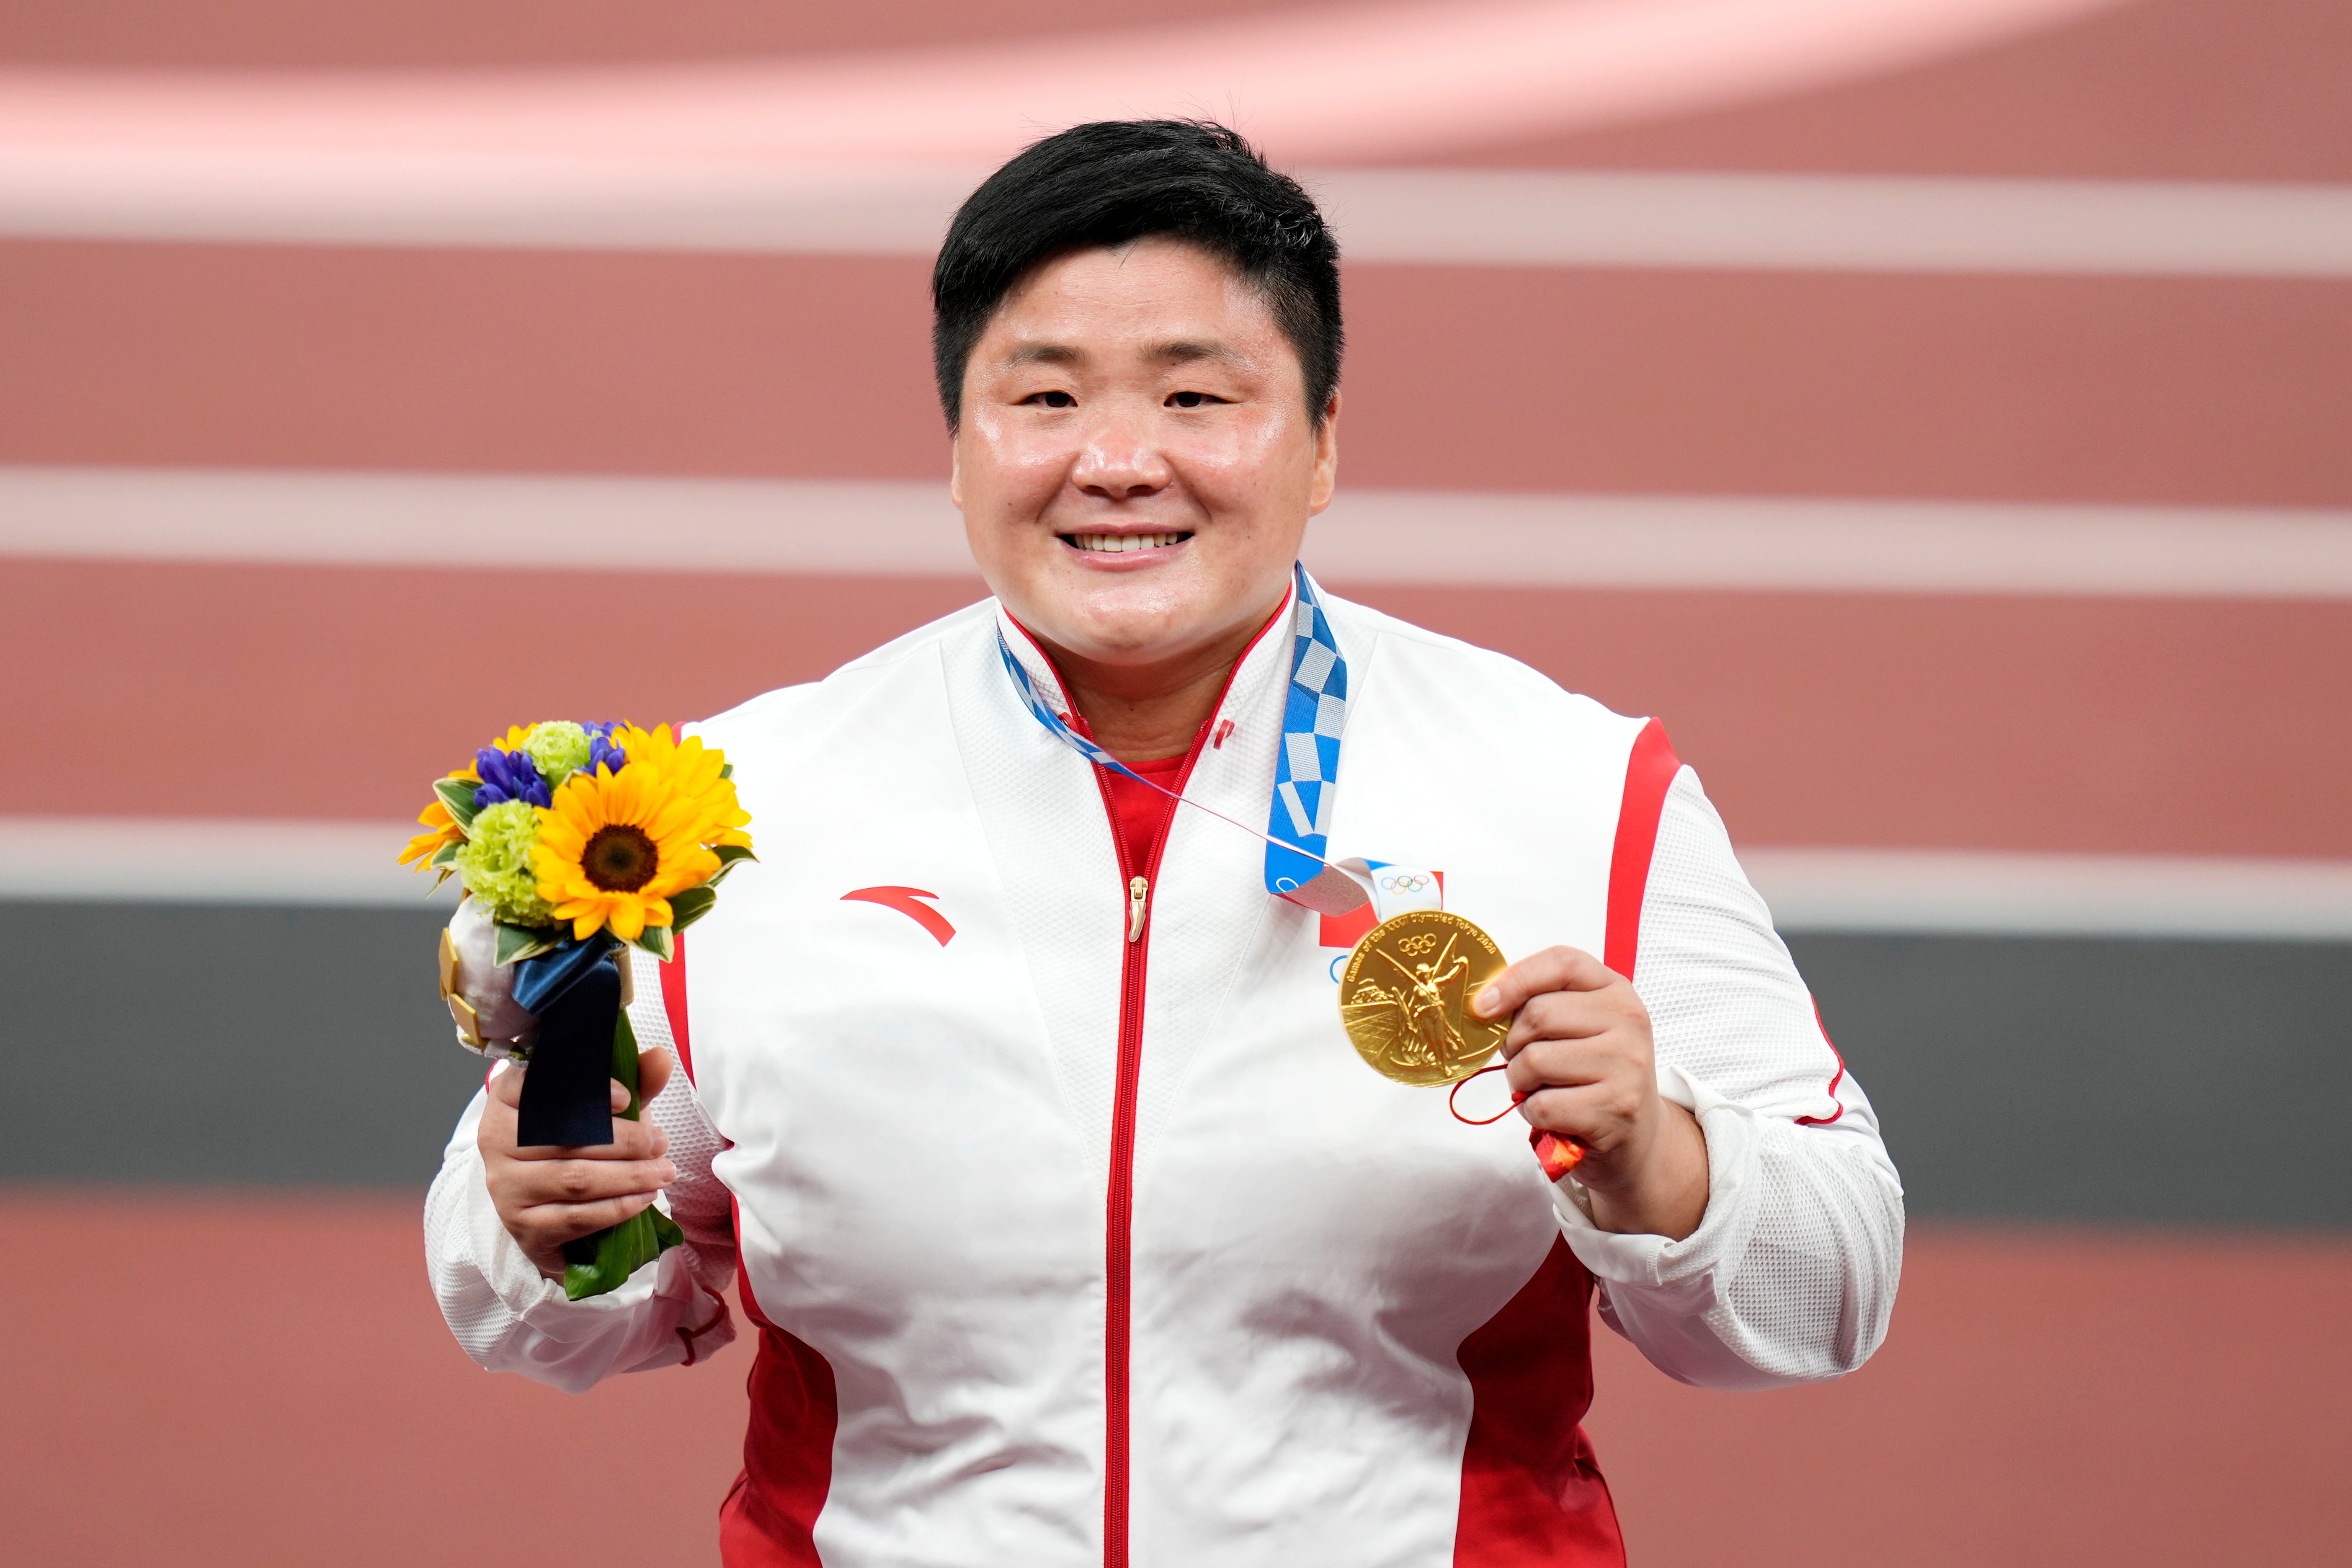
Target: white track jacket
[1066,1249]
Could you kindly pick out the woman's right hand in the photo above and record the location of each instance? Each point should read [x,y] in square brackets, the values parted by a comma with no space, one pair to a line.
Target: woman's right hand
[546,1194]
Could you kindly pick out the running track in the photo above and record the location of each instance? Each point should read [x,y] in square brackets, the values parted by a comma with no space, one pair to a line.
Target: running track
[253,1374]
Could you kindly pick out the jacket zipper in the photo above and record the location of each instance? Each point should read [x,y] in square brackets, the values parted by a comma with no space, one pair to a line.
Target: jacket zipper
[1119,1218]
[1118,1251]
[1119,1247]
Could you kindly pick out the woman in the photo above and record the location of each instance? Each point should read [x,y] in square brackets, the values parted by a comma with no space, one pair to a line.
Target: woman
[1073,1228]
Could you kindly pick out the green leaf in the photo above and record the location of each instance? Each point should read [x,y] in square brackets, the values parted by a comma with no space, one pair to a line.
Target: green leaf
[727,770]
[447,854]
[730,856]
[658,942]
[690,906]
[457,795]
[603,1262]
[518,942]
[625,1060]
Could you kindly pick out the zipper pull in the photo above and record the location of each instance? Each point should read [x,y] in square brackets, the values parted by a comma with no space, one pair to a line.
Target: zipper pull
[1138,895]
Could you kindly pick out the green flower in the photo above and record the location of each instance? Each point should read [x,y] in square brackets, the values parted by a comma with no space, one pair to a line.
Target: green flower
[496,863]
[560,747]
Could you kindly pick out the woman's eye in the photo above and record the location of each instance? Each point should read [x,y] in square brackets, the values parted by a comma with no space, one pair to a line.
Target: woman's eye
[1192,399]
[1051,400]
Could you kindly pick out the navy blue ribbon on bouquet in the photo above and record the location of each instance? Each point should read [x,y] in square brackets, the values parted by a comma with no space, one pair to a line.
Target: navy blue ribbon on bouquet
[575,990]
[1305,768]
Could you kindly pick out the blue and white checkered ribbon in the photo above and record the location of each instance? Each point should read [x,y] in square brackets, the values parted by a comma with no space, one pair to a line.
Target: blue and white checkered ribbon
[1305,769]
[1306,766]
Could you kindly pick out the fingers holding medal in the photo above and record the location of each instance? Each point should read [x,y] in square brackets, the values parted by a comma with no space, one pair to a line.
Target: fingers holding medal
[1578,1045]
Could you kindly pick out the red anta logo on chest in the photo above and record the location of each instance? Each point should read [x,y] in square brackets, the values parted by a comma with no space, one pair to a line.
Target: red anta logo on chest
[904,901]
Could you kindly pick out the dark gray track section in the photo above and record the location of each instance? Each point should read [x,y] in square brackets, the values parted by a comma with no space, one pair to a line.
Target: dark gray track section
[2168,1081]
[2181,1082]
[196,1044]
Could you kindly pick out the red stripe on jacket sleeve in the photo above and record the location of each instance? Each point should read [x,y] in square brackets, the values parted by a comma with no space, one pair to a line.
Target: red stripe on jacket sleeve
[1836,1077]
[672,984]
[1648,774]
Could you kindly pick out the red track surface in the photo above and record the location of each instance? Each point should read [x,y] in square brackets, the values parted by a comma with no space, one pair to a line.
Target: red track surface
[400,33]
[2128,726]
[2181,89]
[263,1380]
[2105,389]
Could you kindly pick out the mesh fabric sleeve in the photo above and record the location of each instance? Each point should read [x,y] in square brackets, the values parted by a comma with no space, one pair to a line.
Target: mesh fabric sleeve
[509,1317]
[1791,1274]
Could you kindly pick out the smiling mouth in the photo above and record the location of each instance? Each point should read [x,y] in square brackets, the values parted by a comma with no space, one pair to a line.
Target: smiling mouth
[1118,544]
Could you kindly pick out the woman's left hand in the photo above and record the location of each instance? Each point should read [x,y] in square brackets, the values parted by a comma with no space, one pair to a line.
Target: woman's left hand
[1581,1051]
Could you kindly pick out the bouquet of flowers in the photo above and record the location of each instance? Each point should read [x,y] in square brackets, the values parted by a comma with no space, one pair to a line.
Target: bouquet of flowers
[573,841]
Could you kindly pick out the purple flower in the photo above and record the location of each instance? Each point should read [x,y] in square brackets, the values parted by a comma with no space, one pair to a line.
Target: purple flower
[601,750]
[508,775]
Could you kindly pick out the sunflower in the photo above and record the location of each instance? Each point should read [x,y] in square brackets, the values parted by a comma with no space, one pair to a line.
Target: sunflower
[702,774]
[614,847]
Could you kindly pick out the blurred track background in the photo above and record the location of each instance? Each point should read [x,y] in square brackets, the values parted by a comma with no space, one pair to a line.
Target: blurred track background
[1935,410]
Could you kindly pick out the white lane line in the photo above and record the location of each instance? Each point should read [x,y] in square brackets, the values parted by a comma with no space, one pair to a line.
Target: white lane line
[1837,545]
[909,528]
[351,865]
[1840,222]
[172,860]
[860,527]
[514,200]
[1468,217]
[2053,895]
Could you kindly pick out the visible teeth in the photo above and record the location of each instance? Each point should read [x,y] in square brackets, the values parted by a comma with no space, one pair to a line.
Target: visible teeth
[1116,542]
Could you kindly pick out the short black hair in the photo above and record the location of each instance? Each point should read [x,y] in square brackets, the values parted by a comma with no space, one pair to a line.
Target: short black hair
[1113,180]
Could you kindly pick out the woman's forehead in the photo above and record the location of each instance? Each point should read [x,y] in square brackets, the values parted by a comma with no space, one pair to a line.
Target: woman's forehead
[1178,304]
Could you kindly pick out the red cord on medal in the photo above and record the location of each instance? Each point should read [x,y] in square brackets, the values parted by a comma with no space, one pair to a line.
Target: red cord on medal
[1558,1155]
[1460,1084]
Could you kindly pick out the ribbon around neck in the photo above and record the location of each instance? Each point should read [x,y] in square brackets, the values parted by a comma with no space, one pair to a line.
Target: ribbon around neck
[1305,768]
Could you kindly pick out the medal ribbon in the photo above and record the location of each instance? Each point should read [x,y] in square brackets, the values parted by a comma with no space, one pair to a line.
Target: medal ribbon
[1306,766]
[1306,774]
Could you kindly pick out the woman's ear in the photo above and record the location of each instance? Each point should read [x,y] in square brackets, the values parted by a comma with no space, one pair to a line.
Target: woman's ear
[1327,458]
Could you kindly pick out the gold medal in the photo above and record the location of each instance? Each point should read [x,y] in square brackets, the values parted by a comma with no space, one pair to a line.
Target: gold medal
[1405,998]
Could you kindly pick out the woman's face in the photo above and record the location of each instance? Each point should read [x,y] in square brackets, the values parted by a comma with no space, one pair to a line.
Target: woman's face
[1136,464]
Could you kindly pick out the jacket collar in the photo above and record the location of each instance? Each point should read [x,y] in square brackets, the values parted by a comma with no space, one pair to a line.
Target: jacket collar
[1258,679]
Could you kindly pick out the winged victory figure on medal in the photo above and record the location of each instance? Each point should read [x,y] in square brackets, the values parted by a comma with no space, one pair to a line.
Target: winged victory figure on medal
[1414,1026]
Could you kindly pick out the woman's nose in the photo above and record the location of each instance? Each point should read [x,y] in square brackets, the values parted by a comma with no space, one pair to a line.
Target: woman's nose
[1119,461]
